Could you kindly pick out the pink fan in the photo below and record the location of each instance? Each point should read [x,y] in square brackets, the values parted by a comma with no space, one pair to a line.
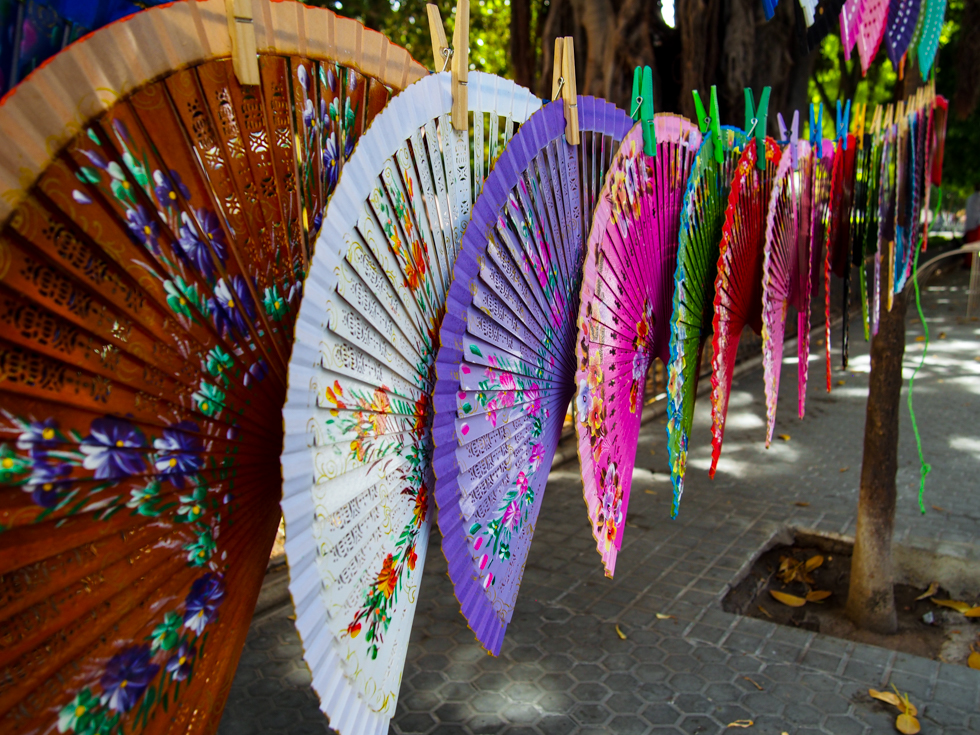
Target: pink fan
[738,286]
[871,31]
[837,252]
[820,172]
[850,23]
[624,313]
[786,270]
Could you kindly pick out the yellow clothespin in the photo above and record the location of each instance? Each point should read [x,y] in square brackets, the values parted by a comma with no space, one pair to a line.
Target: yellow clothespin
[440,46]
[461,65]
[859,113]
[563,83]
[244,57]
[876,120]
[457,57]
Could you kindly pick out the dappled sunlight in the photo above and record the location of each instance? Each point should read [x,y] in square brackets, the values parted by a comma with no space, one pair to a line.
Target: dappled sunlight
[744,420]
[641,475]
[968,444]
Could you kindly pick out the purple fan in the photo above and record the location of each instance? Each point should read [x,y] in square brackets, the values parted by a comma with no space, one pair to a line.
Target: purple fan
[505,369]
[902,17]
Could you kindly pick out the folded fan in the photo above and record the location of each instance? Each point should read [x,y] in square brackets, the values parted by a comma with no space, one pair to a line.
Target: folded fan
[837,253]
[786,273]
[358,447]
[871,31]
[900,27]
[702,221]
[624,313]
[864,216]
[738,285]
[506,363]
[150,278]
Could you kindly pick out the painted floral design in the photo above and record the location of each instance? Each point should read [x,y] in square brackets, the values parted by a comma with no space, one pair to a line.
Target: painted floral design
[178,452]
[113,449]
[610,514]
[126,677]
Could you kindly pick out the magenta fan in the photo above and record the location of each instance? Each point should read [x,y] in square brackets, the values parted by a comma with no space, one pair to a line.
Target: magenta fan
[505,369]
[738,286]
[624,313]
[786,273]
[820,165]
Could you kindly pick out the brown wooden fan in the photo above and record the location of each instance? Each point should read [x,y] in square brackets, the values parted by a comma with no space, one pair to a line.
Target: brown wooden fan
[159,218]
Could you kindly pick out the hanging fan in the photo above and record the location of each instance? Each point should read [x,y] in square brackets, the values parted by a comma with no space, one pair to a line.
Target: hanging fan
[934,13]
[902,17]
[837,254]
[506,363]
[905,155]
[158,218]
[702,221]
[821,172]
[864,216]
[624,313]
[886,223]
[786,272]
[850,23]
[357,450]
[738,285]
[871,31]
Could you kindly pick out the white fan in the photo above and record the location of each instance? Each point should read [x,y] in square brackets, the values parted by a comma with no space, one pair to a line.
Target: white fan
[356,459]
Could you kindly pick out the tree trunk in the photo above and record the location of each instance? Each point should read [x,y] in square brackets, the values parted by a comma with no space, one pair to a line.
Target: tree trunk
[697,21]
[871,598]
[521,52]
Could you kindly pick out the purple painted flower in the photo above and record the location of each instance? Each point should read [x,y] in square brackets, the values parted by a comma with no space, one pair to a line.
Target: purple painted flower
[303,76]
[332,81]
[198,245]
[167,188]
[331,168]
[231,304]
[181,662]
[121,128]
[126,677]
[349,146]
[179,452]
[317,221]
[46,483]
[39,437]
[144,228]
[257,372]
[308,113]
[112,449]
[96,158]
[203,601]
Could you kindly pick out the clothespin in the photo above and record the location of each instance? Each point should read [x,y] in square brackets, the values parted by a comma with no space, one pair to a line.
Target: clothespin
[816,128]
[461,65]
[244,57]
[643,101]
[792,135]
[563,83]
[712,121]
[456,57]
[755,123]
[859,113]
[843,122]
[441,52]
[876,120]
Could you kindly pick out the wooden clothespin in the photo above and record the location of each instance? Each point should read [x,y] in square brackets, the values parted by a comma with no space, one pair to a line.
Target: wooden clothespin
[816,128]
[244,57]
[843,122]
[710,122]
[755,123]
[441,52]
[889,116]
[859,121]
[563,83]
[876,120]
[643,107]
[792,135]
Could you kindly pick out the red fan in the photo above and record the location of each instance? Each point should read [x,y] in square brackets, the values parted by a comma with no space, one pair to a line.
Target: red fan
[837,253]
[738,286]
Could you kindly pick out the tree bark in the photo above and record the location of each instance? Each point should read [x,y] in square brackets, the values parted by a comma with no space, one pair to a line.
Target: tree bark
[697,21]
[521,52]
[871,597]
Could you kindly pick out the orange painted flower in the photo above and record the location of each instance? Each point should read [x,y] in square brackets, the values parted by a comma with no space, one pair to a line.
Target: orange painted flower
[411,558]
[388,577]
[359,449]
[421,506]
[595,415]
[353,629]
[380,402]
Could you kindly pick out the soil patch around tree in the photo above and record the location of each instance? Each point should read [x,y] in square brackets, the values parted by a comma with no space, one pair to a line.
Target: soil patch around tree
[804,570]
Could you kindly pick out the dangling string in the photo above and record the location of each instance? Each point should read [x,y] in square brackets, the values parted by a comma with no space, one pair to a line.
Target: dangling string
[924,467]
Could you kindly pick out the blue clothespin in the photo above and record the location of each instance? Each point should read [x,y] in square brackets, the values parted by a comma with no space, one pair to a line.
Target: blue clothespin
[816,128]
[843,122]
[712,122]
[792,135]
[755,123]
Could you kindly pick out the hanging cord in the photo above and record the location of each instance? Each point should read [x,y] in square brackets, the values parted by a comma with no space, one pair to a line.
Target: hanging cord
[924,467]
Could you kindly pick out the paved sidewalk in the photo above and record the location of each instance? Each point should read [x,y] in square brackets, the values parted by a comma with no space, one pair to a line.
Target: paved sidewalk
[564,668]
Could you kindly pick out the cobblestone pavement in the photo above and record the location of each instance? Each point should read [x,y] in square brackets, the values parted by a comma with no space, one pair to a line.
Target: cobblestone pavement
[564,668]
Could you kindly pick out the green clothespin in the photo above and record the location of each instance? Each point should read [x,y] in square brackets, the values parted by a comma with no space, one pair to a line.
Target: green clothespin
[646,113]
[843,122]
[755,122]
[713,122]
[816,128]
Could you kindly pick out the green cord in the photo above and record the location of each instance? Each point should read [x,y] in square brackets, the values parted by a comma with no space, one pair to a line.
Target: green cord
[924,467]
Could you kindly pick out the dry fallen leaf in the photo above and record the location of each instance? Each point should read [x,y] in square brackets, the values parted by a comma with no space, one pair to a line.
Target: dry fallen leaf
[907,725]
[764,611]
[817,595]
[974,661]
[840,382]
[920,338]
[620,633]
[754,682]
[741,723]
[973,612]
[844,469]
[906,707]
[784,437]
[813,562]
[802,504]
[650,492]
[941,510]
[933,588]
[787,599]
[887,697]
[661,616]
[958,605]
[942,335]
